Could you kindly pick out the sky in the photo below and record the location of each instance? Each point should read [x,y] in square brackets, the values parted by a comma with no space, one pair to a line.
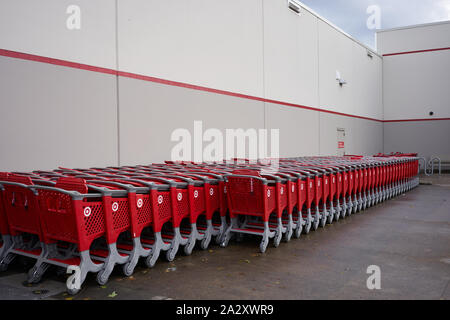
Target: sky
[351,15]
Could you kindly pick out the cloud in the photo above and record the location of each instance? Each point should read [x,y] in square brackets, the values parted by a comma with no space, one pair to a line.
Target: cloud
[351,15]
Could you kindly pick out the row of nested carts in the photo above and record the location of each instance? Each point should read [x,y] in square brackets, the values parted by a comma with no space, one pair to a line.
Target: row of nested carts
[90,220]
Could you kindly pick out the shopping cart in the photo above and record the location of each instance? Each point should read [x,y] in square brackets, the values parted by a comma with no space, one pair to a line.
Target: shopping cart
[254,195]
[21,226]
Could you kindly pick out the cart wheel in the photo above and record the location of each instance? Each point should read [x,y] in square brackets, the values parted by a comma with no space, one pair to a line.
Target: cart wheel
[188,248]
[336,216]
[149,262]
[263,244]
[277,239]
[316,224]
[127,269]
[170,255]
[225,241]
[298,231]
[34,276]
[218,239]
[288,235]
[73,291]
[308,226]
[330,218]
[102,279]
[323,222]
[204,244]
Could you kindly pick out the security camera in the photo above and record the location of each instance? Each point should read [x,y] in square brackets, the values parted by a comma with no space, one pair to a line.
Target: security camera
[340,79]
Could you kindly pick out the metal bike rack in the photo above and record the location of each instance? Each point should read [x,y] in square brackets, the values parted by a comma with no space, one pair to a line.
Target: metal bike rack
[431,162]
[424,166]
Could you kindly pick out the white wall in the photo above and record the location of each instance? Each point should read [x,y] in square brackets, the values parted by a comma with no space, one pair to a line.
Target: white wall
[212,43]
[39,27]
[54,116]
[290,55]
[362,94]
[335,54]
[150,112]
[367,86]
[428,138]
[362,137]
[414,38]
[299,130]
[415,84]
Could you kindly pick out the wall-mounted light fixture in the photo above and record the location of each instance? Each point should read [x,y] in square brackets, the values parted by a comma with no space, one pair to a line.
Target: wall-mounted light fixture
[340,79]
[294,6]
[369,54]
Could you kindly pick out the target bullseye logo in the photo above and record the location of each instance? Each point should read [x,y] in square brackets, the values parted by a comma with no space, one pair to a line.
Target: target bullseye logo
[87,211]
[211,191]
[160,199]
[224,189]
[334,180]
[282,190]
[115,207]
[195,194]
[293,189]
[310,184]
[179,196]
[140,203]
[268,193]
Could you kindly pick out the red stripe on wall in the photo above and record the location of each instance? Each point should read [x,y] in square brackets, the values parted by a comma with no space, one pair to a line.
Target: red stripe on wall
[58,62]
[233,94]
[31,57]
[186,85]
[412,52]
[69,64]
[420,120]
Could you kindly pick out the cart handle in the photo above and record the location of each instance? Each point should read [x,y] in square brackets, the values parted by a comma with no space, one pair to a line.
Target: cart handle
[74,194]
[171,183]
[174,176]
[127,187]
[218,177]
[263,180]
